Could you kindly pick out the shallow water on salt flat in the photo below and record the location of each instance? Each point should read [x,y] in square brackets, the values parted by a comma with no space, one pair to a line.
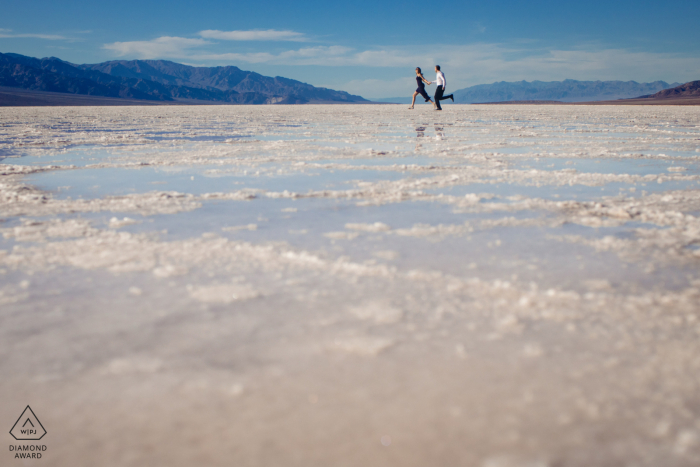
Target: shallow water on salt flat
[96,183]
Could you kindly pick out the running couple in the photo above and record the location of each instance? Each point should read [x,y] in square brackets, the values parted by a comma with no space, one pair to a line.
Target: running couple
[441,86]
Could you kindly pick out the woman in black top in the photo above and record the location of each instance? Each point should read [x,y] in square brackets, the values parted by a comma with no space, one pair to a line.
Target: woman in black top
[421,88]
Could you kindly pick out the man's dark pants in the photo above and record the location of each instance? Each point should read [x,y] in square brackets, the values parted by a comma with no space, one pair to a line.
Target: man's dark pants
[438,96]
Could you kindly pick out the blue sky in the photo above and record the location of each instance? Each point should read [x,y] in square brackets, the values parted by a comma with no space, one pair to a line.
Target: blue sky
[371,47]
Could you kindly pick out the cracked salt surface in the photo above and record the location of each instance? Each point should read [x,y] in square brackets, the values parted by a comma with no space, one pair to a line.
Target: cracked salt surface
[491,286]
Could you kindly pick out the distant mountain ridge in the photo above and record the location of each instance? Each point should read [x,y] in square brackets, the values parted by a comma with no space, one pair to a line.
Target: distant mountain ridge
[687,90]
[564,91]
[568,90]
[222,78]
[160,80]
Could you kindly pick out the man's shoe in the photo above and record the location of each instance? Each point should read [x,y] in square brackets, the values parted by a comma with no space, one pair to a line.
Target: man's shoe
[452,97]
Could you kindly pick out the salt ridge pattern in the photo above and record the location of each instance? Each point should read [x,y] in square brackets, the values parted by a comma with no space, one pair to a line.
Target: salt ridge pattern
[492,286]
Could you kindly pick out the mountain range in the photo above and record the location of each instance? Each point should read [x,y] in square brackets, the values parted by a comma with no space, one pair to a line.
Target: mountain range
[563,91]
[52,81]
[689,90]
[161,81]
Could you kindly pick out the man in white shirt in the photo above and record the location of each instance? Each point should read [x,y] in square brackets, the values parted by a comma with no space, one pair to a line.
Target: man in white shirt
[441,86]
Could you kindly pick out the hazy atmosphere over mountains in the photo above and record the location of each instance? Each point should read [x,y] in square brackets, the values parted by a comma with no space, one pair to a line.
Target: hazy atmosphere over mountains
[160,80]
[564,91]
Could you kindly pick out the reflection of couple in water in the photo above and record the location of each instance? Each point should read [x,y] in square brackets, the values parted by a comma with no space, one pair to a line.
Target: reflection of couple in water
[441,86]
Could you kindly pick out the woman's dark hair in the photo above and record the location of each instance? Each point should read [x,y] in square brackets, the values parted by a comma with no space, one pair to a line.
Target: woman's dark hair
[419,70]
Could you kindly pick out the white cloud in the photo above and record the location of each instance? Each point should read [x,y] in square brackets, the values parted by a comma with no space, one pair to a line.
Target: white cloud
[484,63]
[487,63]
[162,47]
[254,35]
[465,65]
[322,55]
[501,64]
[7,33]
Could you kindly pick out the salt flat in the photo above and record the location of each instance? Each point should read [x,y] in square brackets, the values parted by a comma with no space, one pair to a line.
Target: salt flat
[491,286]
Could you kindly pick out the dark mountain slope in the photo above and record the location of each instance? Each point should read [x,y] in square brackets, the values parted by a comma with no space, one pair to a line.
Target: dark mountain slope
[223,78]
[687,90]
[157,80]
[57,76]
[53,74]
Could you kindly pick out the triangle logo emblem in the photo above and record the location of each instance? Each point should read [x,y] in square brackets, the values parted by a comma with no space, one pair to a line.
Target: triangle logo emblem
[28,427]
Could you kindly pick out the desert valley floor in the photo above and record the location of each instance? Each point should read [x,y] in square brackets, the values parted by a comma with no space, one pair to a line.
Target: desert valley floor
[352,285]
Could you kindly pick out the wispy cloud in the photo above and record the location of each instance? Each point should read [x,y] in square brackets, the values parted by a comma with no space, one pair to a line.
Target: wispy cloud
[480,63]
[7,33]
[465,64]
[162,47]
[346,56]
[254,35]
[322,55]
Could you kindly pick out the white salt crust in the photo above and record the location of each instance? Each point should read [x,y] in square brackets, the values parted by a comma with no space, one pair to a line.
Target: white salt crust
[490,286]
